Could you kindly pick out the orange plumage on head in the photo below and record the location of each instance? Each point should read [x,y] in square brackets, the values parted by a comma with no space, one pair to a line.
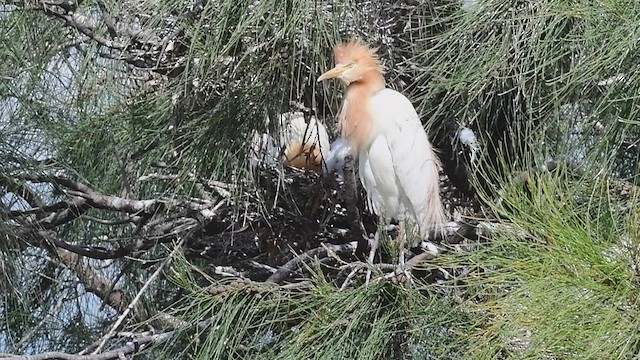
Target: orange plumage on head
[354,50]
[368,63]
[363,80]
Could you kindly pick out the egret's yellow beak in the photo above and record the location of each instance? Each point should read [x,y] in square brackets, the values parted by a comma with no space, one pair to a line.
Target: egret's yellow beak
[335,72]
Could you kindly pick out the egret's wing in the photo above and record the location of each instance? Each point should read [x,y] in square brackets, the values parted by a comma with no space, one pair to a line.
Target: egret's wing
[369,183]
[414,162]
[377,176]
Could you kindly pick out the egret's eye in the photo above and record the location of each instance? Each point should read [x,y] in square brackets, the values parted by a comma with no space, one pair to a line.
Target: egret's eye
[350,65]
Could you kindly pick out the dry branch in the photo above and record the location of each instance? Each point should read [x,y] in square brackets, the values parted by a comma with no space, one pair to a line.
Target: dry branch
[300,260]
[92,280]
[144,48]
[135,300]
[131,347]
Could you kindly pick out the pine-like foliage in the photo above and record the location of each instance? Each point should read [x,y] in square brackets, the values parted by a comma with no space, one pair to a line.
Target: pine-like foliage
[130,212]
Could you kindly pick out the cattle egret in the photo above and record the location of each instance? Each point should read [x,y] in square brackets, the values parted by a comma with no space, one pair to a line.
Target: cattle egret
[306,144]
[397,165]
[301,144]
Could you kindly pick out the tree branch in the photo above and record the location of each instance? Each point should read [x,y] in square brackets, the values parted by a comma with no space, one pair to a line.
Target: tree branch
[94,252]
[300,260]
[91,279]
[78,22]
[135,300]
[131,347]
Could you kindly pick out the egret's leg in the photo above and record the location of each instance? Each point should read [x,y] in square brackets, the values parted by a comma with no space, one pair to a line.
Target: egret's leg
[402,238]
[372,254]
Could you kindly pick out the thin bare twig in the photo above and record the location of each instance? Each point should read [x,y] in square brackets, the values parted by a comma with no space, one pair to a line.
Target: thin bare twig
[300,260]
[135,300]
[36,328]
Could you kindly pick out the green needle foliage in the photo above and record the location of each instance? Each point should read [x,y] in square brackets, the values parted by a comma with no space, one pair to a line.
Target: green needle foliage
[534,79]
[559,281]
[563,282]
[383,320]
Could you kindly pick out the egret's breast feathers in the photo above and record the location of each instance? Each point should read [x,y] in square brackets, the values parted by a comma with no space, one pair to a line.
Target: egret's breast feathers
[356,118]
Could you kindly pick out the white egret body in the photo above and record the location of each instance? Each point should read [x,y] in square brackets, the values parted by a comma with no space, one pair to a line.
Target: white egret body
[397,165]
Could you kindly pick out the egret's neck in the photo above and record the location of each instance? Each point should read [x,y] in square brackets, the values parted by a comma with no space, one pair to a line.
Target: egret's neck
[356,121]
[374,81]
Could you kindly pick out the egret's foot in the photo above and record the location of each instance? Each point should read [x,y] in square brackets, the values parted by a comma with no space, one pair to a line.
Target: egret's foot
[372,254]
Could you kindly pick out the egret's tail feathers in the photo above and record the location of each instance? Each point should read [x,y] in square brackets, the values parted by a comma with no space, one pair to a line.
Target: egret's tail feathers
[432,216]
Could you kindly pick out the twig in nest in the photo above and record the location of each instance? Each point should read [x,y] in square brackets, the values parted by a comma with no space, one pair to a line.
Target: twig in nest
[403,273]
[300,260]
[358,265]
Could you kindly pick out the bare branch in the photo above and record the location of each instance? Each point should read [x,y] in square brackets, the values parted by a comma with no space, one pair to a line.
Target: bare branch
[132,347]
[92,280]
[135,300]
[43,209]
[300,260]
[94,252]
[126,220]
[77,207]
[79,23]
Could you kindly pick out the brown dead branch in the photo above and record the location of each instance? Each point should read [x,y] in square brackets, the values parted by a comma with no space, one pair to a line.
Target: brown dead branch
[91,279]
